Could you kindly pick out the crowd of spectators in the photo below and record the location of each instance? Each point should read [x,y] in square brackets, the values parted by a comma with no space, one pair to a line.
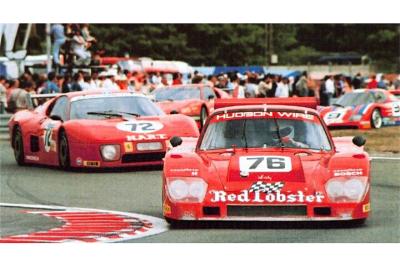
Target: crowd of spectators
[13,92]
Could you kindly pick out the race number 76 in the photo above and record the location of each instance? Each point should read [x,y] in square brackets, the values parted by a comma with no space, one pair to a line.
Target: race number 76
[265,164]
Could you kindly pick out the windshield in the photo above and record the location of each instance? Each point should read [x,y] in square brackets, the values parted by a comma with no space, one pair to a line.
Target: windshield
[263,133]
[355,99]
[181,93]
[113,104]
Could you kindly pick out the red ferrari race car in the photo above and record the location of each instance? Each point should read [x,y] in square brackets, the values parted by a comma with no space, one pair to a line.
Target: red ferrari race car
[266,163]
[194,100]
[363,109]
[96,129]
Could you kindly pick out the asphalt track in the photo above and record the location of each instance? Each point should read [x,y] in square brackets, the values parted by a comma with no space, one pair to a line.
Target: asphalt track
[139,191]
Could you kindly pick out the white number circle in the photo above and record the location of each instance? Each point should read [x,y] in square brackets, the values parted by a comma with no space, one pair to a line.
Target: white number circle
[140,126]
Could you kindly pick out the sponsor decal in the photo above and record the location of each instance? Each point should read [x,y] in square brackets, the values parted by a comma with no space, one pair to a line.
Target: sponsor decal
[348,172]
[334,116]
[258,197]
[91,163]
[31,157]
[78,161]
[263,114]
[146,137]
[396,109]
[128,146]
[166,209]
[49,143]
[265,164]
[366,207]
[193,172]
[267,188]
[140,126]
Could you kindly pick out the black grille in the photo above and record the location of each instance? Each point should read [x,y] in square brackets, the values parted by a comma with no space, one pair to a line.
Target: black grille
[211,211]
[267,211]
[143,157]
[340,127]
[322,211]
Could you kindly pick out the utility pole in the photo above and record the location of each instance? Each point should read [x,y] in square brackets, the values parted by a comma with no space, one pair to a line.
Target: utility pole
[48,46]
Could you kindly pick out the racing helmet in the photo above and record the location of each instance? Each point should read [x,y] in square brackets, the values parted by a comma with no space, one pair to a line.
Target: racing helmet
[285,130]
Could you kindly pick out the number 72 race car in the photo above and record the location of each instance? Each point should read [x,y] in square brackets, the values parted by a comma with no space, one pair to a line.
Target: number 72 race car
[257,160]
[95,129]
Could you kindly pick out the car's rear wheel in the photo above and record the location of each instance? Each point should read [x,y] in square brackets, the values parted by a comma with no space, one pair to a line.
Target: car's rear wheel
[63,151]
[203,116]
[376,119]
[18,145]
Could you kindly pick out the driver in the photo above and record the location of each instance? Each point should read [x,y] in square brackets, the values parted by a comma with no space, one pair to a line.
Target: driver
[286,133]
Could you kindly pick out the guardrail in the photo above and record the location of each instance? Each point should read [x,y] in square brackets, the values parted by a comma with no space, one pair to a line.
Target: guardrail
[4,118]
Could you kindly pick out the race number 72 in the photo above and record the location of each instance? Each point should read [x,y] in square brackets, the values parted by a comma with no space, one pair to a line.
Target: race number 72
[265,164]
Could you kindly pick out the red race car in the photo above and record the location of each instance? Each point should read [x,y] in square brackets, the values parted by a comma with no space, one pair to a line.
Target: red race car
[266,163]
[363,109]
[96,129]
[194,100]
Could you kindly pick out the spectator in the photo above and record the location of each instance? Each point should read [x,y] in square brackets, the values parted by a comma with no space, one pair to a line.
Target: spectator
[13,85]
[251,86]
[264,86]
[90,40]
[357,81]
[397,83]
[57,32]
[238,89]
[382,82]
[274,85]
[66,86]
[282,89]
[3,98]
[85,83]
[18,100]
[75,85]
[95,82]
[347,85]
[322,92]
[109,82]
[177,79]
[372,84]
[79,48]
[51,84]
[301,85]
[330,89]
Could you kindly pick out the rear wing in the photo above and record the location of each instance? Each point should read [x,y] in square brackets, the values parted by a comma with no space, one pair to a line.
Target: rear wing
[308,102]
[38,99]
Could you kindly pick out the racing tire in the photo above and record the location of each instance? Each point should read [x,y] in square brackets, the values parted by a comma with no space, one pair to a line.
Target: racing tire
[18,145]
[376,119]
[203,116]
[63,152]
[177,224]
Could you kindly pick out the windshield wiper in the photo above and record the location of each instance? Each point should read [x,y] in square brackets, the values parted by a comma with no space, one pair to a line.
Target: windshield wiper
[244,134]
[129,113]
[104,113]
[337,105]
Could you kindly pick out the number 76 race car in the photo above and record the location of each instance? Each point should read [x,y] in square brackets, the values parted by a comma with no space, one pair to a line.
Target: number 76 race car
[263,160]
[96,129]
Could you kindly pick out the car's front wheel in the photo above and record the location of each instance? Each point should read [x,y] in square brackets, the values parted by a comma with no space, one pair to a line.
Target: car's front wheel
[18,145]
[376,119]
[63,151]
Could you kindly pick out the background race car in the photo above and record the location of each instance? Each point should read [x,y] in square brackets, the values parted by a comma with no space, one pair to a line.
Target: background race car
[266,163]
[195,100]
[96,129]
[363,109]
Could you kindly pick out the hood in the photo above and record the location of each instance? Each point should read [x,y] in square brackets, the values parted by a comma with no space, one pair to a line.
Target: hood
[239,171]
[119,129]
[178,105]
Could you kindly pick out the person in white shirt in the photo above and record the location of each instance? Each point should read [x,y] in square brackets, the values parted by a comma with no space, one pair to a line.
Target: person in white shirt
[282,90]
[329,89]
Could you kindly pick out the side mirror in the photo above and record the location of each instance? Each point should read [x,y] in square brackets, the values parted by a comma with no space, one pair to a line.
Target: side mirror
[211,97]
[175,141]
[359,140]
[174,112]
[56,118]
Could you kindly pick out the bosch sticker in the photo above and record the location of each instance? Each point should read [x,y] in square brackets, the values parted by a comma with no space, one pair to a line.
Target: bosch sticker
[249,164]
[140,126]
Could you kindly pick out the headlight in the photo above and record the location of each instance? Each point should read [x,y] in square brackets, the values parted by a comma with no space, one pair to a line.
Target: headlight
[149,146]
[355,117]
[187,189]
[346,189]
[354,189]
[110,152]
